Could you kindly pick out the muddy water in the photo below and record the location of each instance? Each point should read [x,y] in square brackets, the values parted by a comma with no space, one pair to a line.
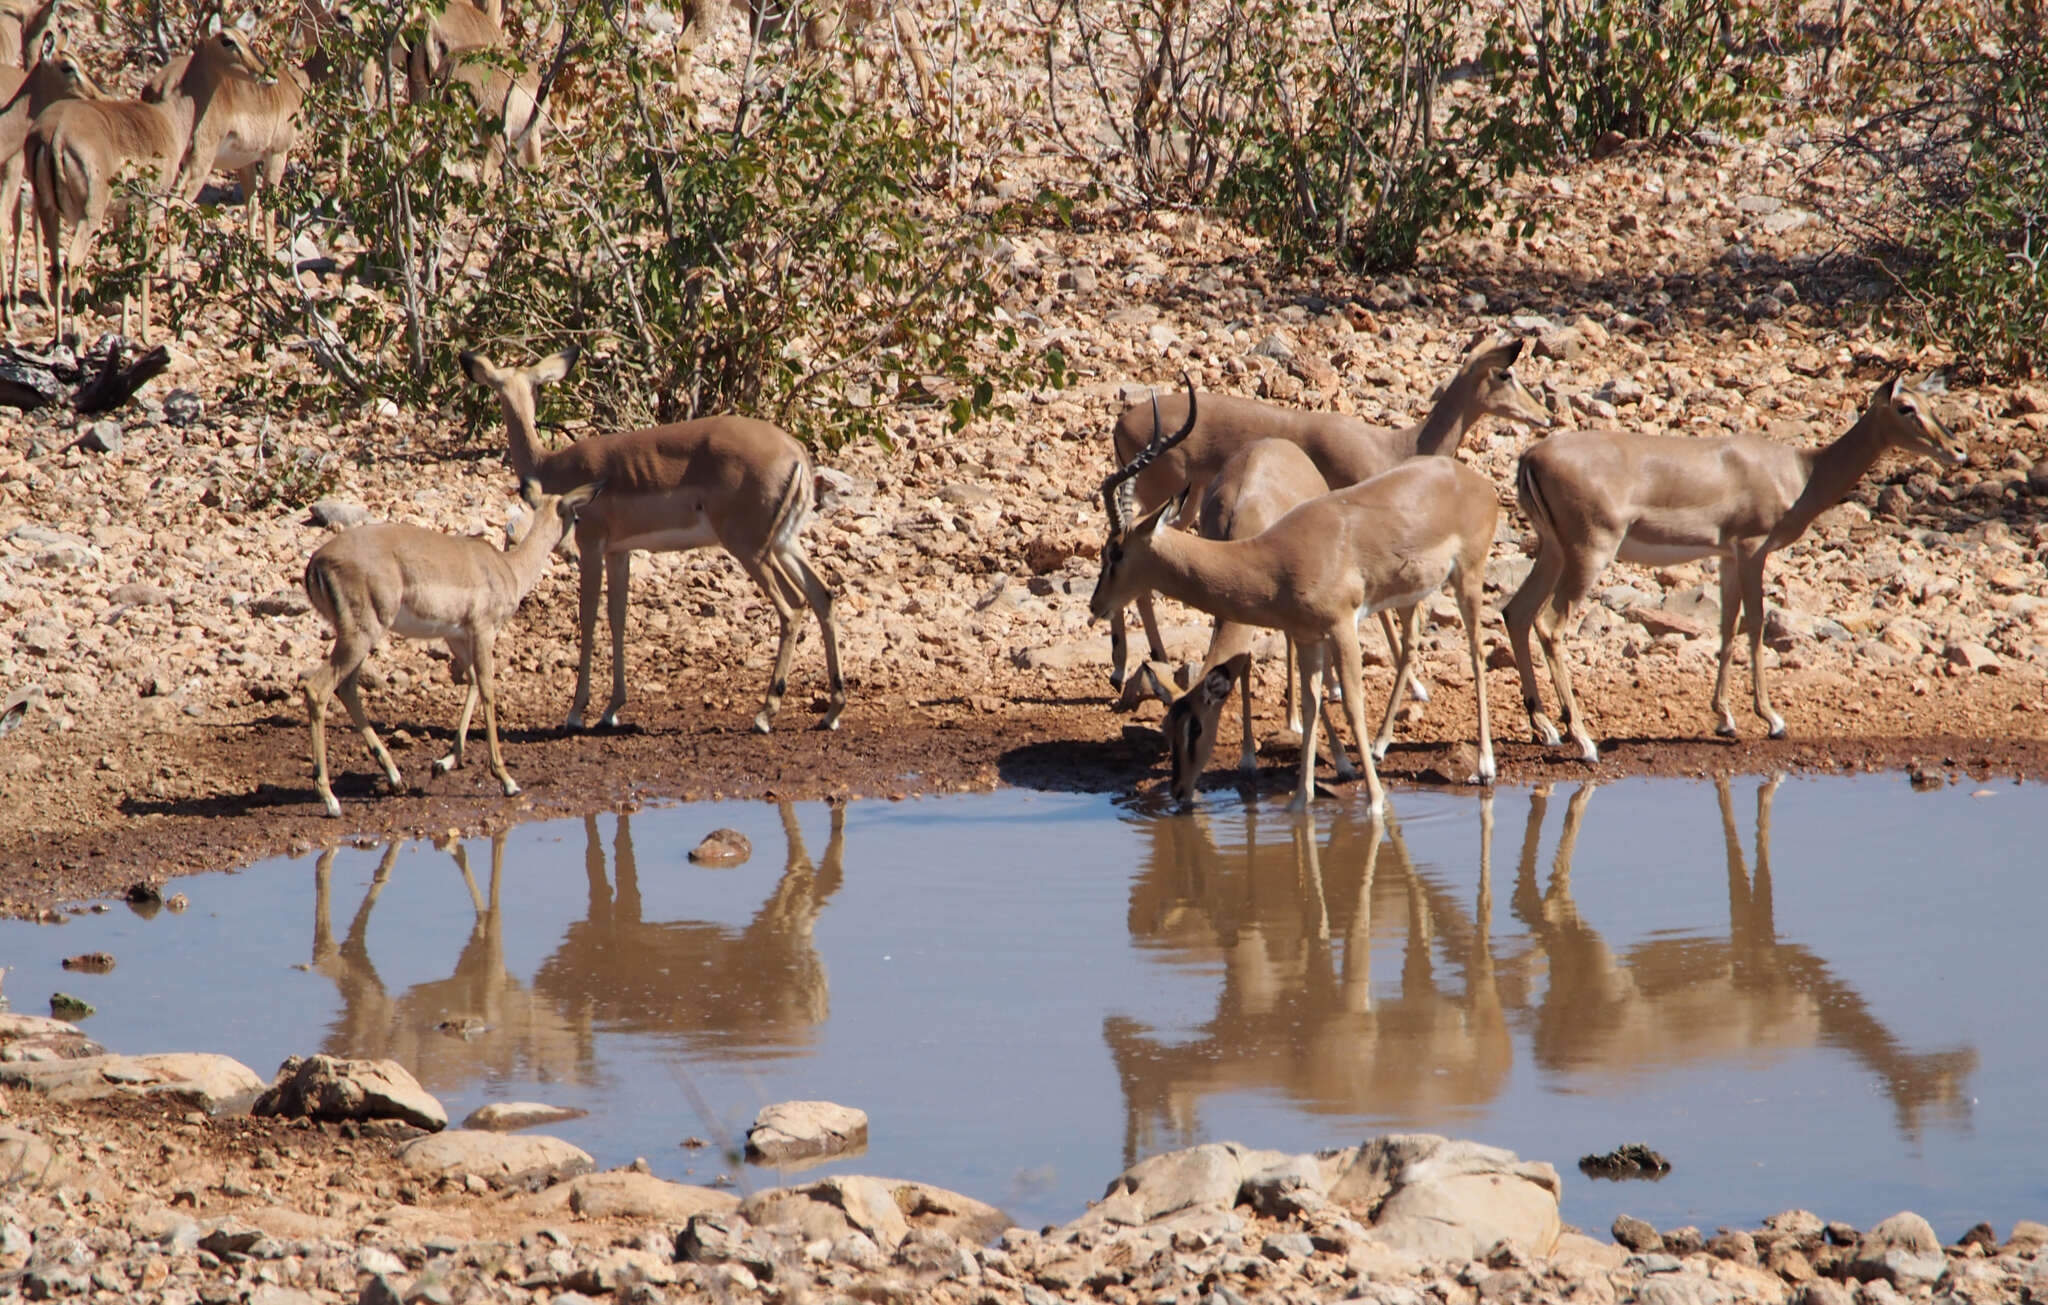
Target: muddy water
[1818,993]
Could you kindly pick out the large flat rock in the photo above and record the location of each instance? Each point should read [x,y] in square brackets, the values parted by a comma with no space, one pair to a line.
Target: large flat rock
[207,1081]
[499,1159]
[333,1088]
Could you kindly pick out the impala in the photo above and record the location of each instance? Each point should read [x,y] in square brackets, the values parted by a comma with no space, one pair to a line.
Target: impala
[1389,542]
[422,584]
[55,76]
[241,123]
[1597,495]
[740,484]
[77,150]
[1344,449]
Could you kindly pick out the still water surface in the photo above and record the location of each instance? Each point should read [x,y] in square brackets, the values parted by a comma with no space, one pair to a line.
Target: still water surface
[1821,993]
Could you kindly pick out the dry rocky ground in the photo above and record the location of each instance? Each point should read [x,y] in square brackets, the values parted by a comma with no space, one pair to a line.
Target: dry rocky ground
[1675,287]
[129,1191]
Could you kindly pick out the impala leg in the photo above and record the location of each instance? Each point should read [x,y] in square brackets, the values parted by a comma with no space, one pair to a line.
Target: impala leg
[1404,650]
[1471,599]
[1520,613]
[1311,716]
[1351,671]
[344,659]
[819,598]
[1551,624]
[1247,755]
[464,654]
[618,578]
[1148,616]
[317,686]
[590,590]
[1395,650]
[1338,756]
[1753,607]
[1293,701]
[483,681]
[771,584]
[1119,648]
[1731,612]
[352,698]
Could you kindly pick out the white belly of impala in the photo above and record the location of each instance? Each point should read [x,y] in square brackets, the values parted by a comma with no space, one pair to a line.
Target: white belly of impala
[414,626]
[1665,554]
[1393,604]
[700,535]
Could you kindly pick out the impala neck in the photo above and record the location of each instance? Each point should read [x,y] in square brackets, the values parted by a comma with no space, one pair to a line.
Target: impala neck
[529,557]
[1832,471]
[1444,429]
[526,451]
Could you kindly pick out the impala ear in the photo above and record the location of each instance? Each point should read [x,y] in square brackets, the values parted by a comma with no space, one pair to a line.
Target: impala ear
[1215,686]
[529,490]
[475,366]
[579,498]
[555,366]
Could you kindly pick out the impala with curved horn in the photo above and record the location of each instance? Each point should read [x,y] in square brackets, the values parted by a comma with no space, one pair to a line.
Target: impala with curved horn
[1598,495]
[1344,449]
[1388,542]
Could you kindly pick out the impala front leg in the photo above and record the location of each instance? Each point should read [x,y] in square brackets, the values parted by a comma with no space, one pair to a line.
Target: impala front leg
[464,657]
[1351,672]
[618,577]
[1310,664]
[1731,613]
[589,592]
[1753,604]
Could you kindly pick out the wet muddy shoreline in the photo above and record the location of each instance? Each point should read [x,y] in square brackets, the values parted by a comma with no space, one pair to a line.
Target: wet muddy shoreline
[234,790]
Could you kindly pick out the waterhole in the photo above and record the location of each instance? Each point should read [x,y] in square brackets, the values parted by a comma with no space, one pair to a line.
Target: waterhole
[1819,992]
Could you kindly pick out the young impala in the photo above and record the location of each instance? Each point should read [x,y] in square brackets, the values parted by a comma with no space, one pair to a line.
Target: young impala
[1597,495]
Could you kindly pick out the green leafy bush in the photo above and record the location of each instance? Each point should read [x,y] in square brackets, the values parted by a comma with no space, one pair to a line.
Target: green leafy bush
[1948,131]
[790,257]
[1349,149]
[1639,68]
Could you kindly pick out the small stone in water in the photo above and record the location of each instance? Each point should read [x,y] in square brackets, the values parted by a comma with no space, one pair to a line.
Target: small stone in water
[722,847]
[90,962]
[64,1006]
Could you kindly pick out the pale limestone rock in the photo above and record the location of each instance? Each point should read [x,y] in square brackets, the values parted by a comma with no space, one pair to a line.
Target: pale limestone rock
[207,1082]
[629,1194]
[1452,1200]
[884,1209]
[797,1132]
[498,1159]
[506,1116]
[329,1087]
[38,1037]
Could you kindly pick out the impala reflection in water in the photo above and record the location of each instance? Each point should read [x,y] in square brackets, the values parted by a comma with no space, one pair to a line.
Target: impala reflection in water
[1291,922]
[754,991]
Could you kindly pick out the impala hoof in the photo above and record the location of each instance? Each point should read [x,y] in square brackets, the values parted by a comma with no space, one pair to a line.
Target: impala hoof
[575,721]
[1546,733]
[1418,690]
[333,807]
[1777,729]
[1726,729]
[511,787]
[761,725]
[1589,752]
[445,764]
